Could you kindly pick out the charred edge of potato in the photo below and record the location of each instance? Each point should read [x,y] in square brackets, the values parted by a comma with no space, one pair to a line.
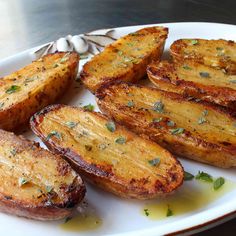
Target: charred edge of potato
[164,77]
[136,72]
[45,210]
[175,144]
[104,178]
[12,118]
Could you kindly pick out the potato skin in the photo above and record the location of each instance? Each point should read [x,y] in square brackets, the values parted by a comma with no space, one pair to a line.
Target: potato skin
[126,59]
[128,176]
[21,158]
[48,78]
[165,76]
[195,144]
[216,53]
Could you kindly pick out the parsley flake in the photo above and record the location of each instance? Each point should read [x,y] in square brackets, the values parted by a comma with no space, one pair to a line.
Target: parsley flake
[1,104]
[159,119]
[204,74]
[169,212]
[170,123]
[194,42]
[146,211]
[49,189]
[204,177]
[201,120]
[22,181]
[54,133]
[186,67]
[177,131]
[111,126]
[233,81]
[13,89]
[130,104]
[158,107]
[88,107]
[188,176]
[218,183]
[120,140]
[154,162]
[71,124]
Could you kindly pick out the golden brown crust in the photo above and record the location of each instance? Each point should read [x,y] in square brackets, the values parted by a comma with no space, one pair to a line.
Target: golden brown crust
[126,59]
[121,168]
[37,85]
[216,53]
[185,78]
[35,183]
[208,133]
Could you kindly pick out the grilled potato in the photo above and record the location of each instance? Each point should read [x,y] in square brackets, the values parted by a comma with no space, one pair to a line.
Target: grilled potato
[186,128]
[126,59]
[33,87]
[107,154]
[34,183]
[216,53]
[193,79]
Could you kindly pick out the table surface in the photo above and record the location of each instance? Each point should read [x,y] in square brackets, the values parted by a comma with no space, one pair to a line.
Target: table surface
[28,23]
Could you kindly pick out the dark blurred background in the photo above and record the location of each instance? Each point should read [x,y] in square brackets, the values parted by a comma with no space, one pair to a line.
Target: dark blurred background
[28,23]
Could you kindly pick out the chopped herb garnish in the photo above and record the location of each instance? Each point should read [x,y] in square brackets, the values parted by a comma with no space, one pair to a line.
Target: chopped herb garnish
[13,89]
[158,107]
[65,58]
[71,124]
[88,107]
[233,81]
[186,67]
[130,44]
[170,123]
[219,49]
[154,162]
[111,126]
[49,189]
[177,131]
[68,219]
[22,181]
[201,120]
[27,80]
[13,152]
[218,183]
[130,104]
[194,42]
[120,140]
[1,104]
[88,147]
[120,53]
[188,176]
[204,74]
[169,212]
[204,177]
[54,133]
[146,211]
[102,146]
[55,65]
[205,112]
[159,119]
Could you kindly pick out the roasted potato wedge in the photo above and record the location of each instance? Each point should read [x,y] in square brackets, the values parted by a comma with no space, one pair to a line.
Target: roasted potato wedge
[198,131]
[220,53]
[192,79]
[34,183]
[31,88]
[126,59]
[107,154]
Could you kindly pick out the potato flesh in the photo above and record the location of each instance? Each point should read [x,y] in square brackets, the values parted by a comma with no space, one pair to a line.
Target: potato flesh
[97,146]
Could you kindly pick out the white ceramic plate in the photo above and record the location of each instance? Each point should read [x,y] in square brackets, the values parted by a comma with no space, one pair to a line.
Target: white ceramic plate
[125,217]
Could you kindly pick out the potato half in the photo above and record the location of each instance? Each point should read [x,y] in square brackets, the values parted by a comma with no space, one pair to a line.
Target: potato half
[110,156]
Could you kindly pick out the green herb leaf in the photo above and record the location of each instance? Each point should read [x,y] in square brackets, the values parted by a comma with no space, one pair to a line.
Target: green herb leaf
[55,65]
[219,49]
[169,212]
[157,119]
[49,189]
[204,74]
[130,104]
[68,219]
[170,123]
[13,89]
[158,107]
[27,80]
[54,133]
[111,126]
[194,42]
[1,104]
[186,67]
[154,162]
[233,81]
[13,152]
[71,124]
[177,131]
[64,59]
[88,147]
[201,120]
[188,176]
[146,211]
[204,177]
[218,183]
[88,107]
[22,181]
[120,140]
[205,112]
